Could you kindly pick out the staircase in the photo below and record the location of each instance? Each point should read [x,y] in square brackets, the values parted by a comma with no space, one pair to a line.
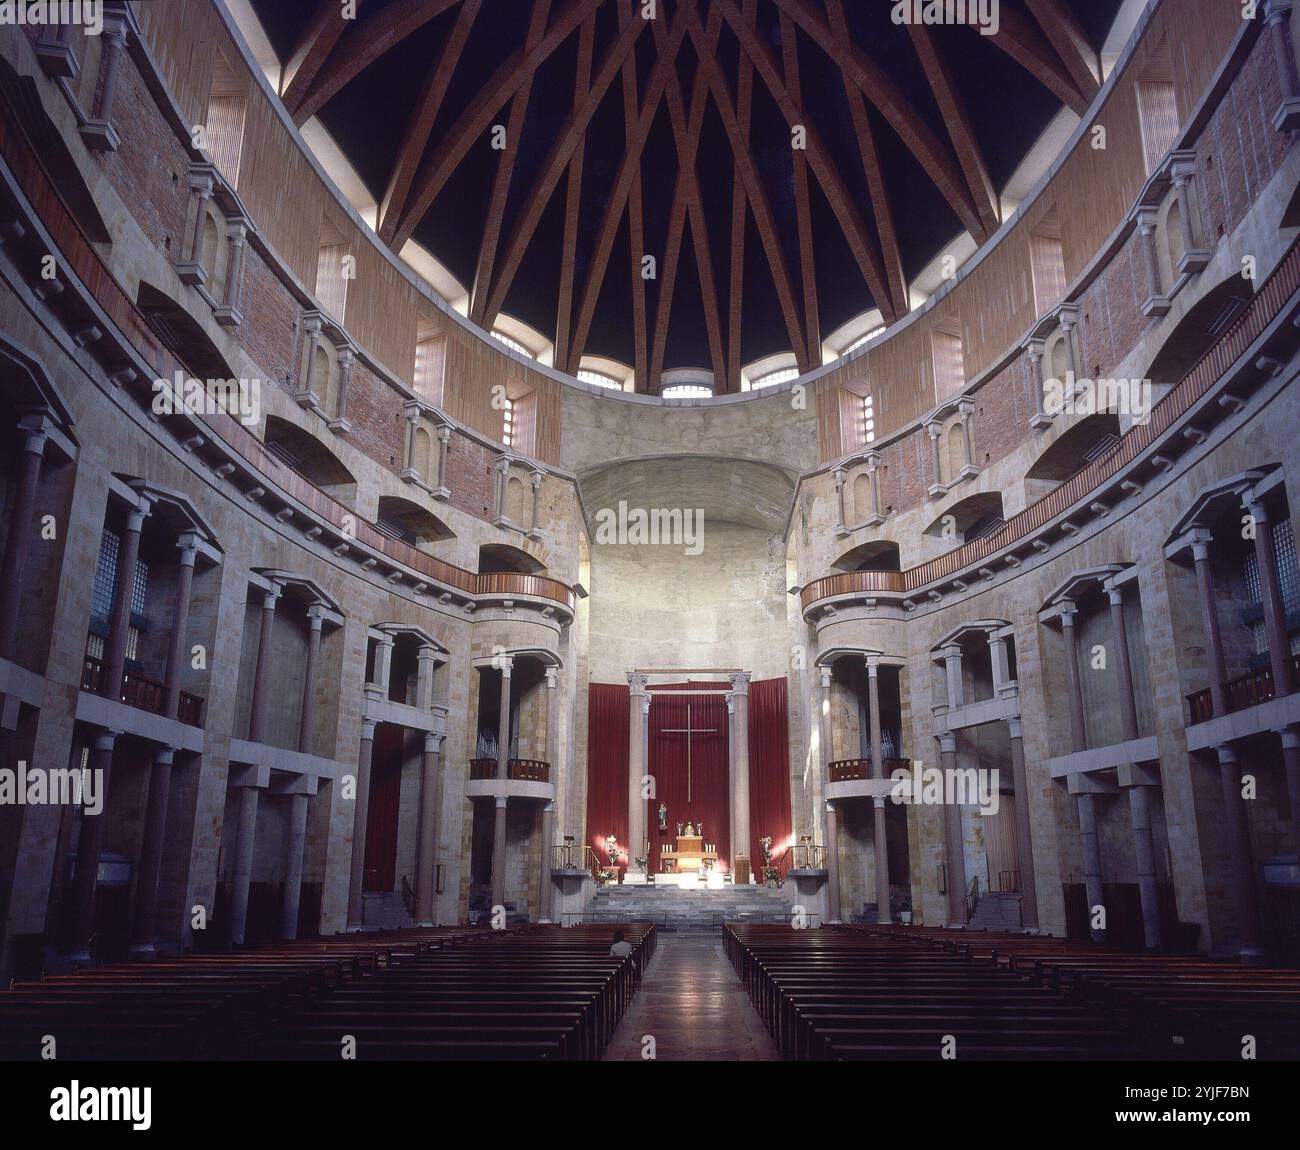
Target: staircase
[996,911]
[684,911]
[385,911]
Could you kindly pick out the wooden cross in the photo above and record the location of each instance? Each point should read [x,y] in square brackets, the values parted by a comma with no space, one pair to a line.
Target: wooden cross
[688,731]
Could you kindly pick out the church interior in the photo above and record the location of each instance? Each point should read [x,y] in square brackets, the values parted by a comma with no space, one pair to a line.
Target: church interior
[627,530]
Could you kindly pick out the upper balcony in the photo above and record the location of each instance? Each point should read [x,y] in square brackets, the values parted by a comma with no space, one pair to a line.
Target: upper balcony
[1244,691]
[142,692]
[525,779]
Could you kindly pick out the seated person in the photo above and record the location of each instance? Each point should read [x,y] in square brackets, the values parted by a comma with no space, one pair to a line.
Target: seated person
[621,948]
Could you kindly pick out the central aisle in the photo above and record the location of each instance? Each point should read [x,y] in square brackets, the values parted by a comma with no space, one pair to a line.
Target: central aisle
[695,1007]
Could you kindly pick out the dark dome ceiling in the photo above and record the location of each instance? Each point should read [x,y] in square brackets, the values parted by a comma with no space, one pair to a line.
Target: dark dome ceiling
[672,137]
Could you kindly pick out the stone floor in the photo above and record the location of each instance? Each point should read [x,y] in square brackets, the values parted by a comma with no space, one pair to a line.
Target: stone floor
[695,1008]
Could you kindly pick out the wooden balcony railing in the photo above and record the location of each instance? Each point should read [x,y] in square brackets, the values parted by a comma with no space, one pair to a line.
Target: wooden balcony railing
[81,258]
[1239,693]
[142,692]
[521,770]
[850,770]
[1263,308]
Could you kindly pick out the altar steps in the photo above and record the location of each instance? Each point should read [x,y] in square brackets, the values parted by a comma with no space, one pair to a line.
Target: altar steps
[687,911]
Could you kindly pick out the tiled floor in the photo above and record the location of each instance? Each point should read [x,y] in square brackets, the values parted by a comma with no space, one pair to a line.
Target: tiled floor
[694,1007]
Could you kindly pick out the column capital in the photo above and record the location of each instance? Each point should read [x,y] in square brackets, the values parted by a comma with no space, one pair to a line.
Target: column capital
[504,663]
[368,729]
[1290,738]
[873,665]
[552,678]
[136,516]
[1015,728]
[1115,595]
[269,599]
[1226,753]
[947,741]
[952,651]
[1067,612]
[740,682]
[826,676]
[840,476]
[636,682]
[500,802]
[105,738]
[164,756]
[1256,508]
[316,616]
[432,742]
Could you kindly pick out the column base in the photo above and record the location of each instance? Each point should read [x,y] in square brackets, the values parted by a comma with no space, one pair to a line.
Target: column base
[100,136]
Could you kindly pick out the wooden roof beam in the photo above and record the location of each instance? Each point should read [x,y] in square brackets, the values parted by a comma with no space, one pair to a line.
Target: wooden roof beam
[802,206]
[1020,40]
[1067,36]
[312,50]
[573,197]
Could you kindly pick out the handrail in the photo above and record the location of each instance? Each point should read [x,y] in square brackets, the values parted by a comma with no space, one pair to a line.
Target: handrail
[972,898]
[523,770]
[81,258]
[1244,691]
[1263,307]
[408,896]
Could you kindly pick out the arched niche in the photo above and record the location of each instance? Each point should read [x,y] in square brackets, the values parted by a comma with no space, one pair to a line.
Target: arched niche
[1075,448]
[494,558]
[411,523]
[878,555]
[310,458]
[1198,331]
[968,519]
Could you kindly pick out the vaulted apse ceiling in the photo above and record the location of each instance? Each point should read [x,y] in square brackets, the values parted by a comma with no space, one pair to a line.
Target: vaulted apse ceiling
[672,138]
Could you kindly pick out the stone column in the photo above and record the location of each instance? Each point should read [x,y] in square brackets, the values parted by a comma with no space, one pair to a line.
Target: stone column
[1034,350]
[1241,859]
[1078,728]
[877,772]
[1210,620]
[345,358]
[262,670]
[360,816]
[637,768]
[503,718]
[151,851]
[311,330]
[444,440]
[18,546]
[933,429]
[840,482]
[1291,765]
[966,413]
[1182,176]
[236,240]
[384,664]
[954,848]
[98,131]
[740,830]
[1279,26]
[537,477]
[307,722]
[827,742]
[502,481]
[245,840]
[89,841]
[180,619]
[1000,662]
[1146,222]
[426,853]
[202,188]
[1087,806]
[294,849]
[1144,851]
[119,627]
[426,666]
[1270,591]
[1024,838]
[873,470]
[952,673]
[499,853]
[548,810]
[832,865]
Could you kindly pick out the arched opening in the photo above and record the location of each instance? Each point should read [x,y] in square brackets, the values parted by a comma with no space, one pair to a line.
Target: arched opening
[310,458]
[401,519]
[494,558]
[878,555]
[422,459]
[954,453]
[1198,331]
[325,380]
[517,506]
[972,518]
[182,334]
[1174,235]
[1087,440]
[214,257]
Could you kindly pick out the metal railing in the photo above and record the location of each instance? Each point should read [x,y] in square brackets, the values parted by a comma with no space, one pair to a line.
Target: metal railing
[972,898]
[1264,306]
[1244,691]
[141,692]
[523,770]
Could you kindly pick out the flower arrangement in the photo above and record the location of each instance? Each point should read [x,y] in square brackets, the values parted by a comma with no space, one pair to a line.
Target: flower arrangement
[770,874]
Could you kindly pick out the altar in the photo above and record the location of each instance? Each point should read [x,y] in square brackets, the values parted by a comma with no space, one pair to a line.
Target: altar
[688,855]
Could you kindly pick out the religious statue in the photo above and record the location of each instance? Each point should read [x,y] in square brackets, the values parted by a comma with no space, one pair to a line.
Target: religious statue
[663,816]
[679,830]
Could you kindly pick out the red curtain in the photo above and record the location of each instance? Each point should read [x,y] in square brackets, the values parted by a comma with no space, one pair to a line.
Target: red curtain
[769,768]
[607,737]
[708,790]
[769,771]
